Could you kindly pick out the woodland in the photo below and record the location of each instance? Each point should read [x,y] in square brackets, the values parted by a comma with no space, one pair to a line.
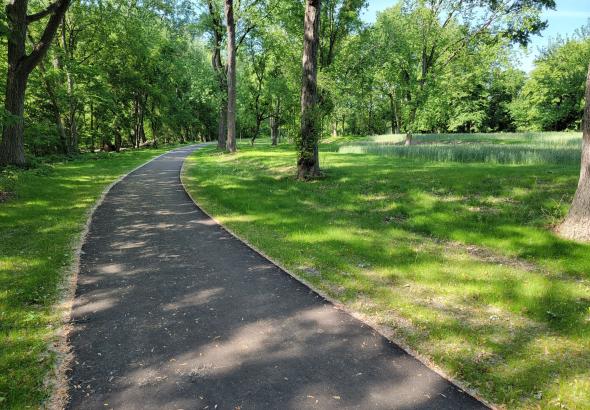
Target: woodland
[440,175]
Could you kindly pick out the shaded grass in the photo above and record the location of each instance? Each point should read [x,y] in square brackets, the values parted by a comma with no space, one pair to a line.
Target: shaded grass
[38,226]
[455,258]
[500,148]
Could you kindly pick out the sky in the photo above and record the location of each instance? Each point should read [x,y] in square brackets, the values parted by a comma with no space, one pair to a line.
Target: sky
[564,20]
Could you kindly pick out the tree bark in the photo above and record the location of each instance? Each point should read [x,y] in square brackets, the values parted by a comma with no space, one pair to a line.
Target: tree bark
[20,65]
[577,223]
[231,76]
[308,165]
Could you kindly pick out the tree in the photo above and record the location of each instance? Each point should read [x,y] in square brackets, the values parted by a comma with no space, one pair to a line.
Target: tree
[308,164]
[420,38]
[577,223]
[553,97]
[20,66]
[231,76]
[216,29]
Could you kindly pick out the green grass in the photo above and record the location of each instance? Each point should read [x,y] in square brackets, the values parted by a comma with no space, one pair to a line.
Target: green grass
[500,148]
[458,259]
[39,224]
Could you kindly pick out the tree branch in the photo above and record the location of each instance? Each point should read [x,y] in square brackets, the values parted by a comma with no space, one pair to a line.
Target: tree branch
[43,13]
[40,49]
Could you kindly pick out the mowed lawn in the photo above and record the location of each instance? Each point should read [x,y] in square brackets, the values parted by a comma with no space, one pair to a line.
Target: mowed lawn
[39,225]
[457,259]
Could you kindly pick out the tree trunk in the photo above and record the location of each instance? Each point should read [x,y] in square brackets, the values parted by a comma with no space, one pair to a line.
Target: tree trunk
[222,129]
[274,130]
[308,165]
[256,129]
[231,76]
[12,148]
[577,224]
[411,120]
[394,115]
[20,65]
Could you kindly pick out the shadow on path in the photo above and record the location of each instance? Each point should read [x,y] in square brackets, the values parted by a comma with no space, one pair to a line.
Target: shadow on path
[172,312]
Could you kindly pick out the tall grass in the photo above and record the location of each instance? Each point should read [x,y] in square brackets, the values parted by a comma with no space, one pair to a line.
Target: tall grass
[500,148]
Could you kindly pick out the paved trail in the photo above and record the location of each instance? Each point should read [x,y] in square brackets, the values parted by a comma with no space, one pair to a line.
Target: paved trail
[171,312]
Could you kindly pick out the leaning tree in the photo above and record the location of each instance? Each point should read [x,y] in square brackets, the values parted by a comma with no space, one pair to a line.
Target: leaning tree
[577,223]
[20,65]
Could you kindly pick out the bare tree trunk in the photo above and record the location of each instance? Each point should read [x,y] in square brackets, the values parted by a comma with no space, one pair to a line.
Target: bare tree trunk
[577,223]
[20,65]
[231,76]
[308,164]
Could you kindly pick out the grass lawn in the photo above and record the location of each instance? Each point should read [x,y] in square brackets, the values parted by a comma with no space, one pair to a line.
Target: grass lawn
[39,223]
[457,259]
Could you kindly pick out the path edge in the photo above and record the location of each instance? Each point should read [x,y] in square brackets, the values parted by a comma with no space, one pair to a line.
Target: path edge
[384,331]
[56,381]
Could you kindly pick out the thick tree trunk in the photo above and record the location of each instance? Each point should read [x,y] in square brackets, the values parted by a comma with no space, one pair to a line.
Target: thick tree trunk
[231,76]
[308,165]
[20,65]
[12,148]
[222,128]
[577,224]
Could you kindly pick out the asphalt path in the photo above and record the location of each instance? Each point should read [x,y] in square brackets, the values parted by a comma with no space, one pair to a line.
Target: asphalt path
[172,312]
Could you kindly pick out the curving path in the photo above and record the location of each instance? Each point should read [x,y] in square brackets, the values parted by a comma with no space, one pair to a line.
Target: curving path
[172,312]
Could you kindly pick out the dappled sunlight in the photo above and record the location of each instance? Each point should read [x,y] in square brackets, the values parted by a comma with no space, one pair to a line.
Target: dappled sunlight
[198,297]
[457,262]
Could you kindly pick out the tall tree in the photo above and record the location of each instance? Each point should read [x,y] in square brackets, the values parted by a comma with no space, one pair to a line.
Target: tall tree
[231,76]
[577,224]
[20,66]
[216,28]
[308,163]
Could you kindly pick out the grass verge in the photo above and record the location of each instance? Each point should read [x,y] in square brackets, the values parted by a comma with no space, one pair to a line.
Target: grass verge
[456,259]
[41,219]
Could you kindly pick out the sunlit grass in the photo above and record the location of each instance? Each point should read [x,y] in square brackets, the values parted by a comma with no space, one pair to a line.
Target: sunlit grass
[42,218]
[457,259]
[499,148]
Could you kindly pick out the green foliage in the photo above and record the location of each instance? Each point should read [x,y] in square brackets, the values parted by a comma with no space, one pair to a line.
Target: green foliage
[553,96]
